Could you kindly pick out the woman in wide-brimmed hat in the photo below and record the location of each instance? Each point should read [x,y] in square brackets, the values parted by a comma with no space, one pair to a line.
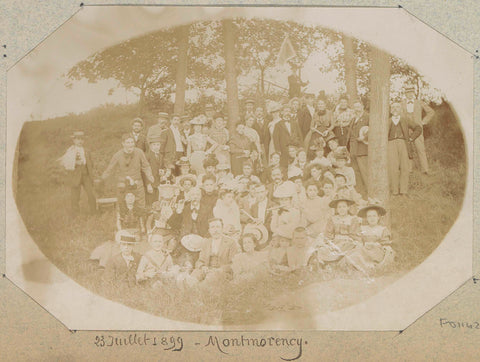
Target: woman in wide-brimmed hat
[374,253]
[341,232]
[226,208]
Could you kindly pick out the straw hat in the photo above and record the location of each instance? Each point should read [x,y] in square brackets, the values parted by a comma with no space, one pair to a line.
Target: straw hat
[372,205]
[333,204]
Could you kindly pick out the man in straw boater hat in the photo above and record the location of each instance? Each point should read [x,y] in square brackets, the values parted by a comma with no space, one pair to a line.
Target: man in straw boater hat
[138,135]
[122,267]
[130,163]
[413,109]
[399,149]
[216,254]
[78,163]
[157,129]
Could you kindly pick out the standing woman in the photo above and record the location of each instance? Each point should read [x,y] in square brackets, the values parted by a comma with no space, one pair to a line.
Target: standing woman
[220,135]
[197,145]
[240,148]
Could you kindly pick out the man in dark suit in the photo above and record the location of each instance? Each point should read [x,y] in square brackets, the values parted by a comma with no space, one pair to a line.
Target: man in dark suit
[286,133]
[413,109]
[305,114]
[78,163]
[138,136]
[193,217]
[171,140]
[154,158]
[399,149]
[216,254]
[122,267]
[358,147]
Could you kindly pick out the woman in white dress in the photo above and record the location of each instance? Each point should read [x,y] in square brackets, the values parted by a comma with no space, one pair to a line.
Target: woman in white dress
[197,145]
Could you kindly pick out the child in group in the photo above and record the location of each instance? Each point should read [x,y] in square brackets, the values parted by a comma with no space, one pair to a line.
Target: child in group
[313,210]
[277,256]
[129,214]
[342,168]
[122,267]
[186,183]
[374,253]
[341,232]
[156,262]
[274,163]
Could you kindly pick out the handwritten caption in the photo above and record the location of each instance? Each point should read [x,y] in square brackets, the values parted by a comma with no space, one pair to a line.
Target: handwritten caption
[290,348]
[445,323]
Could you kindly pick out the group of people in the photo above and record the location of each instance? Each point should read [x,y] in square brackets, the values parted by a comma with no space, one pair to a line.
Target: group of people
[277,194]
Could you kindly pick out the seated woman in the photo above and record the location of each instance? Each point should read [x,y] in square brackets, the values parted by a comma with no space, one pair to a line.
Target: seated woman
[250,263]
[129,214]
[286,217]
[374,253]
[313,211]
[277,255]
[227,209]
[156,262]
[341,232]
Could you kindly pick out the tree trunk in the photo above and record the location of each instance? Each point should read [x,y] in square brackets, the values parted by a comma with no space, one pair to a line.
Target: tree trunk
[262,82]
[141,101]
[378,126]
[350,69]
[181,76]
[231,73]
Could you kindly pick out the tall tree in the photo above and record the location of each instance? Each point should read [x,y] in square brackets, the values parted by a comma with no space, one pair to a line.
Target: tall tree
[378,126]
[141,64]
[181,73]
[350,68]
[231,72]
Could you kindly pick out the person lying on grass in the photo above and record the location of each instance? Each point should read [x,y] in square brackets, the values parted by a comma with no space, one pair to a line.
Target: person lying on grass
[122,267]
[298,255]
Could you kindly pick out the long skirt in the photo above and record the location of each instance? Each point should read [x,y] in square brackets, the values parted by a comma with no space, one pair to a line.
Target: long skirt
[196,161]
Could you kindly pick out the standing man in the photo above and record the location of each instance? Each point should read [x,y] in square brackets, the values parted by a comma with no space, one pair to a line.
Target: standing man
[78,163]
[286,133]
[412,108]
[156,130]
[172,147]
[249,108]
[130,162]
[138,135]
[305,114]
[342,118]
[295,83]
[358,147]
[399,149]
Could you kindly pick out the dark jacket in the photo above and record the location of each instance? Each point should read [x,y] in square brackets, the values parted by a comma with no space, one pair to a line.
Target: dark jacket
[304,120]
[357,148]
[282,139]
[406,125]
[141,142]
[74,177]
[117,270]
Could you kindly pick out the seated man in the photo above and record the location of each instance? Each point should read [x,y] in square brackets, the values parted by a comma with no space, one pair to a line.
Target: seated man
[156,262]
[299,253]
[216,254]
[122,267]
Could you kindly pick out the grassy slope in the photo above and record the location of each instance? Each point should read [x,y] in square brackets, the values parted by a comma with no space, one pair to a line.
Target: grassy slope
[419,223]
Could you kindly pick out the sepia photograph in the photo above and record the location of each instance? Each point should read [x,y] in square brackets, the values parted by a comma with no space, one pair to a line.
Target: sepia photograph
[232,170]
